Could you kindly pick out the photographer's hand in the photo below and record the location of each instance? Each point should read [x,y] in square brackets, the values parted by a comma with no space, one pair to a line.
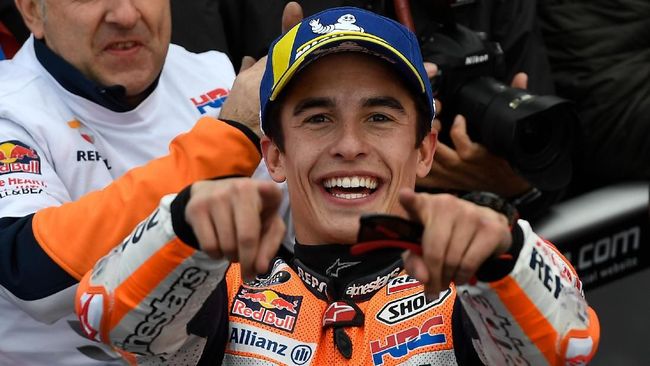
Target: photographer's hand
[469,166]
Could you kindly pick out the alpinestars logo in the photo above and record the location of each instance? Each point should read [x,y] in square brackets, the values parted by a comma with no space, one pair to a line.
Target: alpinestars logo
[366,288]
[333,270]
[163,311]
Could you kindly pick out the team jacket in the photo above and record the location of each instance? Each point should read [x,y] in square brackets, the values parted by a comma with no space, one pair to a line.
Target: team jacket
[79,170]
[165,302]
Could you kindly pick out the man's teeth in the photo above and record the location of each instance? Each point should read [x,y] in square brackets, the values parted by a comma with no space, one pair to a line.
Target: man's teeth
[351,182]
[350,196]
[123,45]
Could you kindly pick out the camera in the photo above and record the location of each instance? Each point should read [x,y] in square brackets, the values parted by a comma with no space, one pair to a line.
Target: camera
[533,133]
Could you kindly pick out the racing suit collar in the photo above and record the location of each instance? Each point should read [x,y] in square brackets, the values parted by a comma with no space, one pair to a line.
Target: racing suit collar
[110,97]
[330,272]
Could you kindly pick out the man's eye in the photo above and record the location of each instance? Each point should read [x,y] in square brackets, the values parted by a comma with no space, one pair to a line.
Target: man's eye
[319,118]
[379,118]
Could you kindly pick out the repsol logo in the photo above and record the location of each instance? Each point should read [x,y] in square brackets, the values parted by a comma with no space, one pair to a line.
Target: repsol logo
[163,311]
[608,248]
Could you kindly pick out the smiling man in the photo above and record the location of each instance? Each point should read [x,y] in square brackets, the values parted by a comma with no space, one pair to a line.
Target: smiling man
[347,115]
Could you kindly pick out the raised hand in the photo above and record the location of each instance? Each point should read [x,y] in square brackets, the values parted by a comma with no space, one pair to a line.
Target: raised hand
[237,219]
[458,237]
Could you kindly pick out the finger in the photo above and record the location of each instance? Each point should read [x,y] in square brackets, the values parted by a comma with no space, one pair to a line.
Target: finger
[446,156]
[248,226]
[461,237]
[489,237]
[291,16]
[272,226]
[435,241]
[435,236]
[223,220]
[415,267]
[271,198]
[431,69]
[458,134]
[436,125]
[520,80]
[407,199]
[203,228]
[273,231]
[246,63]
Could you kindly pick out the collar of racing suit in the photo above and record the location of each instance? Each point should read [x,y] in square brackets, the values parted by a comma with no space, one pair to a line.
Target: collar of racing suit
[111,97]
[331,273]
[334,275]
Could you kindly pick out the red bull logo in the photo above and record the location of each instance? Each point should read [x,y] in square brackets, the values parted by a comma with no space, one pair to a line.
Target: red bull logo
[16,157]
[267,307]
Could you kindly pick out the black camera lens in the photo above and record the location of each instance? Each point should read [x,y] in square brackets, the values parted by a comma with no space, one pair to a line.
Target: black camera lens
[532,132]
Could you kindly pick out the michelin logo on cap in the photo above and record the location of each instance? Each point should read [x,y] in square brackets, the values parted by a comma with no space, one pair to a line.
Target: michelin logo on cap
[344,23]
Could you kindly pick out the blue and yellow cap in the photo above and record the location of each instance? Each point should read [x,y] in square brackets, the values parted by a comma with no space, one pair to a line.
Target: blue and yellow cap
[345,29]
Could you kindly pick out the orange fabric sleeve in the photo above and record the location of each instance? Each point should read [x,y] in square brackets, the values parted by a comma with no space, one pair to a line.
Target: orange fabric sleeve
[77,234]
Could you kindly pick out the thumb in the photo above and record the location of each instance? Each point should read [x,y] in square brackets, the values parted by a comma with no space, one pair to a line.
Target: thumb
[291,16]
[431,69]
[520,81]
[271,197]
[246,63]
[409,200]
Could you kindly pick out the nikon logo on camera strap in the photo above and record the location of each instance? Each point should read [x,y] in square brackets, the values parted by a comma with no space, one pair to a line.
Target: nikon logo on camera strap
[476,59]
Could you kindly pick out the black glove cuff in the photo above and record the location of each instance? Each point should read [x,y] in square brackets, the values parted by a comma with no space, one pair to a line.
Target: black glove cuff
[247,131]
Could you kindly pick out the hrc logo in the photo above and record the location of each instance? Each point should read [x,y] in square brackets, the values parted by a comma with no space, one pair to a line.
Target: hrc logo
[213,99]
[400,344]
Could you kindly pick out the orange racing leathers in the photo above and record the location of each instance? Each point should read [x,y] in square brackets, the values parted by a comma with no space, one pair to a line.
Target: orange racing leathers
[158,299]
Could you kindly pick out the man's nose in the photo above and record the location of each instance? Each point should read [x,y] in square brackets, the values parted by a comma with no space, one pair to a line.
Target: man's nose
[123,13]
[350,142]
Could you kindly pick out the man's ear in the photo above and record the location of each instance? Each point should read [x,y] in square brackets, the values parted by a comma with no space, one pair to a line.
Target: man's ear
[426,151]
[273,159]
[33,16]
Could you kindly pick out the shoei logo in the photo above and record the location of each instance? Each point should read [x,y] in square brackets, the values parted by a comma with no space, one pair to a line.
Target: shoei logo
[408,307]
[344,23]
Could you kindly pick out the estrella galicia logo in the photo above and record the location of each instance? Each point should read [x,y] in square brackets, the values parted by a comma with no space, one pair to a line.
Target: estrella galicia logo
[17,157]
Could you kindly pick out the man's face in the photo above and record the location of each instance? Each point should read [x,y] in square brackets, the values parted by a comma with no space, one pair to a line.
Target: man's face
[110,41]
[349,130]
